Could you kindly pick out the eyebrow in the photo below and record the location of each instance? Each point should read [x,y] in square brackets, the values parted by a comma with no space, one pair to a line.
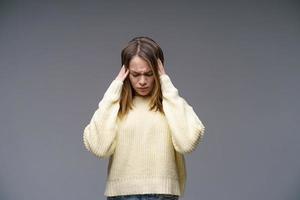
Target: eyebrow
[140,73]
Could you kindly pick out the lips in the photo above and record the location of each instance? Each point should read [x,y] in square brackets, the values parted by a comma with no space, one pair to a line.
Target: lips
[142,88]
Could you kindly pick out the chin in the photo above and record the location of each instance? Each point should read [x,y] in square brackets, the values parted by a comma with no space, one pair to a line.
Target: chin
[143,94]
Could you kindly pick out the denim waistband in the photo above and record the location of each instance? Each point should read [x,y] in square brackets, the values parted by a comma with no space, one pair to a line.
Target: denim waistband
[140,196]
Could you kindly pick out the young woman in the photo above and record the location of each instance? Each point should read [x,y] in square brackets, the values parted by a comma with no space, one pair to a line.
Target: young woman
[144,127]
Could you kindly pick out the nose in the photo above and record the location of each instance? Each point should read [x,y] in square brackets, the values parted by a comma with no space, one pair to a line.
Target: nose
[142,81]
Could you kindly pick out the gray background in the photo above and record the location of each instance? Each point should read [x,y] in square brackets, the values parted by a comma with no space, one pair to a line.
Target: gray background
[236,62]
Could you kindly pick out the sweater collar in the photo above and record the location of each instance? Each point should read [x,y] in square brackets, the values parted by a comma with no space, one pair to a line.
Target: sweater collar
[141,99]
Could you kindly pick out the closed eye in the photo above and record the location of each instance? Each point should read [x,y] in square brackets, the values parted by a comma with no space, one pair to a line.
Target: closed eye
[135,75]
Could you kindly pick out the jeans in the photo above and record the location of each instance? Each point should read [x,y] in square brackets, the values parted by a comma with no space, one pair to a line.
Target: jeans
[145,197]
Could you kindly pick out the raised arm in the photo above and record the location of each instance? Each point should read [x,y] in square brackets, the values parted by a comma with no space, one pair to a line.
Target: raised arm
[99,135]
[186,128]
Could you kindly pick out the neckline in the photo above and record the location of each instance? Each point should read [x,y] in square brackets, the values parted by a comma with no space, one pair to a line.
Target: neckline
[142,98]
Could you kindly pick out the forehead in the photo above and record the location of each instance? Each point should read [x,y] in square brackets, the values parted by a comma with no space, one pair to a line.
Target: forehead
[139,65]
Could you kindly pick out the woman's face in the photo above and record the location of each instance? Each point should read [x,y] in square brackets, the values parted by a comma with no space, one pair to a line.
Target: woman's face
[141,76]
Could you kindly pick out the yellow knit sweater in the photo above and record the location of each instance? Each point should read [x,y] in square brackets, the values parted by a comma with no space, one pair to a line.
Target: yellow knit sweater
[146,148]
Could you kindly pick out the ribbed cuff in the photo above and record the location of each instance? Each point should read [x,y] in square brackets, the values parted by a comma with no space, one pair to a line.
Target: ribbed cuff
[114,90]
[167,86]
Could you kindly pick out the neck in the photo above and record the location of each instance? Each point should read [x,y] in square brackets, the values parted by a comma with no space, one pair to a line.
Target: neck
[142,97]
[141,101]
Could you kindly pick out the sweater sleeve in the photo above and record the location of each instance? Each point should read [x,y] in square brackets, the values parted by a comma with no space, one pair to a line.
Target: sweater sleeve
[99,135]
[187,130]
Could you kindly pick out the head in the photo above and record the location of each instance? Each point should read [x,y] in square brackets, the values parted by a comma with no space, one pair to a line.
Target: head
[140,57]
[141,76]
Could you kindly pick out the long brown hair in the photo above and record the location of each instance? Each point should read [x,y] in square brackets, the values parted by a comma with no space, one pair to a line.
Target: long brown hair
[147,49]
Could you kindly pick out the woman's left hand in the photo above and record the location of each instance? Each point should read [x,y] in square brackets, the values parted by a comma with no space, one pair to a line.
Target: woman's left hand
[161,69]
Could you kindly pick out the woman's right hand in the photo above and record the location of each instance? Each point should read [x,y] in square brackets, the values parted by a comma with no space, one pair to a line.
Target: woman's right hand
[122,74]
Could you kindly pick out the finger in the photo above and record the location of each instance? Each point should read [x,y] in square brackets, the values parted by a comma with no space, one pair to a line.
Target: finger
[124,69]
[159,63]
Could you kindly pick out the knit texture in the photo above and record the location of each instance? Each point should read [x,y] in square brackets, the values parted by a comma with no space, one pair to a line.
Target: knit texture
[146,148]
